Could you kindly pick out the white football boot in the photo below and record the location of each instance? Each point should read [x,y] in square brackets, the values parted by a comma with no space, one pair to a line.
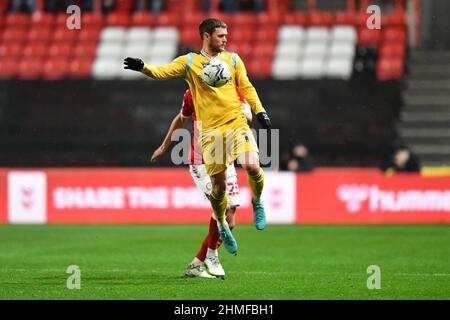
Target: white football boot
[213,265]
[197,271]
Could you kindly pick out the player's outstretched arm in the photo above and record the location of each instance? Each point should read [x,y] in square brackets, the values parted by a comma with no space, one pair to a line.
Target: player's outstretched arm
[175,69]
[177,123]
[135,64]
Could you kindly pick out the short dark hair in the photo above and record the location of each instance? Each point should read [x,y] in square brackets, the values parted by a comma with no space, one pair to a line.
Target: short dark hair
[209,25]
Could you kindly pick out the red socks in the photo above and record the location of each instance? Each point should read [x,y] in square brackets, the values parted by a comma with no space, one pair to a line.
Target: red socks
[201,254]
[211,240]
[213,234]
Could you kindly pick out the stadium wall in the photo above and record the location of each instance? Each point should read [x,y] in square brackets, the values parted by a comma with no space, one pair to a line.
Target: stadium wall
[169,196]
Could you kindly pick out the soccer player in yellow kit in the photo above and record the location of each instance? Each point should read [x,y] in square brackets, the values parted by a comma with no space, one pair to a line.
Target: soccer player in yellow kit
[224,134]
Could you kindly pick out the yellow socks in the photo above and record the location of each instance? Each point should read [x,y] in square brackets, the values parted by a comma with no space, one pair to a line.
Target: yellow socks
[219,204]
[256,183]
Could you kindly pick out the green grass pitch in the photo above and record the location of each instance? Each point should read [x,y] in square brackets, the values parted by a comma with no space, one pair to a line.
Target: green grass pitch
[281,262]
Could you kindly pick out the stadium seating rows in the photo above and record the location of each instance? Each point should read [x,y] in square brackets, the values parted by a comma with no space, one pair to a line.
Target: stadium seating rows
[294,45]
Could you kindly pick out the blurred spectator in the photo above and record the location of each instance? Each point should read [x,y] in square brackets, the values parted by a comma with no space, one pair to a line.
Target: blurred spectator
[245,5]
[23,6]
[403,161]
[284,160]
[293,165]
[155,6]
[230,6]
[251,5]
[59,5]
[298,5]
[301,154]
[233,6]
[299,160]
[108,6]
[258,6]
[205,5]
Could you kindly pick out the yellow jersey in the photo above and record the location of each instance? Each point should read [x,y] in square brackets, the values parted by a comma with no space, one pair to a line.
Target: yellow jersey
[214,107]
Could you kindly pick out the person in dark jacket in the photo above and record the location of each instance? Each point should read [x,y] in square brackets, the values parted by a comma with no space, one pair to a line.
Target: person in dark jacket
[403,160]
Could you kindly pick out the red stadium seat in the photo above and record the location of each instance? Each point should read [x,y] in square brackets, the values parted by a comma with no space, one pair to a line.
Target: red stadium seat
[395,19]
[361,19]
[30,69]
[142,19]
[260,68]
[66,35]
[319,19]
[42,19]
[3,6]
[85,49]
[15,35]
[177,5]
[296,18]
[225,17]
[395,35]
[35,50]
[60,50]
[80,68]
[266,33]
[189,36]
[18,20]
[117,19]
[268,19]
[193,20]
[345,18]
[389,69]
[61,20]
[232,47]
[168,19]
[124,6]
[390,50]
[245,50]
[91,34]
[245,58]
[244,20]
[91,19]
[11,50]
[245,34]
[55,69]
[264,51]
[369,37]
[41,34]
[8,68]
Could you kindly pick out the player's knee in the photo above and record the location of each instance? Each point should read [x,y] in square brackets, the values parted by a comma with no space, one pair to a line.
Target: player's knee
[219,188]
[252,168]
[218,185]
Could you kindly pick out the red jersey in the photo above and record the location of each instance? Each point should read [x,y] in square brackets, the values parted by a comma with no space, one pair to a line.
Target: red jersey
[188,110]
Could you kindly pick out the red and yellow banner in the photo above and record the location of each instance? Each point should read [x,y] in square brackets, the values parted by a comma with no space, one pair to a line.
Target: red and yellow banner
[170,196]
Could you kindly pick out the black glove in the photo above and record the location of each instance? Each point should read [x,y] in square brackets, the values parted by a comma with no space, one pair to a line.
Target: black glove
[264,119]
[135,64]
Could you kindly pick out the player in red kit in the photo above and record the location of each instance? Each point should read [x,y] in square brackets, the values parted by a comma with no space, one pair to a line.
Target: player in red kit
[207,256]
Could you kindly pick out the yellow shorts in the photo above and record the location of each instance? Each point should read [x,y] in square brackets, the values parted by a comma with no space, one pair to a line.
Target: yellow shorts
[223,145]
